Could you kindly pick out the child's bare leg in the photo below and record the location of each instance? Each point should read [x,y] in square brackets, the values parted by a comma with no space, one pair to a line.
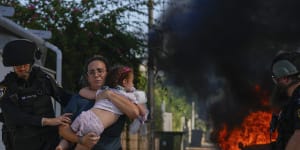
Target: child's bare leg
[81,147]
[63,145]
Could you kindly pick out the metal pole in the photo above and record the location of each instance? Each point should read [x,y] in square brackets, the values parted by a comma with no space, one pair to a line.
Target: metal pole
[151,77]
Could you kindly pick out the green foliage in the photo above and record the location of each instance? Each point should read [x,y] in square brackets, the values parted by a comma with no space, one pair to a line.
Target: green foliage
[176,104]
[200,124]
[142,84]
[179,109]
[82,29]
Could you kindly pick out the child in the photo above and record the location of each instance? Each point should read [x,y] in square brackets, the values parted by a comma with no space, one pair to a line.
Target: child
[104,113]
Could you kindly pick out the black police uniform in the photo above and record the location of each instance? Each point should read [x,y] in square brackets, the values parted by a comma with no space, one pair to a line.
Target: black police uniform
[289,120]
[23,104]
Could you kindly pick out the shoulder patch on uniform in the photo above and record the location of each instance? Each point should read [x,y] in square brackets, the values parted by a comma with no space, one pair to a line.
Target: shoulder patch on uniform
[2,91]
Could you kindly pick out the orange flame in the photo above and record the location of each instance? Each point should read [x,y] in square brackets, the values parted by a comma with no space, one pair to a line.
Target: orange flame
[254,130]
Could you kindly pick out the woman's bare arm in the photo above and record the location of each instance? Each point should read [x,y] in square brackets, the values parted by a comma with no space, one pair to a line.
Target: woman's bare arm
[126,106]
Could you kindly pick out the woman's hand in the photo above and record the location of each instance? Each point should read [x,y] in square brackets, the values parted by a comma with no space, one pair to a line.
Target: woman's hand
[89,140]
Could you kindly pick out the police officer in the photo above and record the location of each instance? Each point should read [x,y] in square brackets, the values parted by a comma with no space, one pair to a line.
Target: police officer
[286,76]
[25,100]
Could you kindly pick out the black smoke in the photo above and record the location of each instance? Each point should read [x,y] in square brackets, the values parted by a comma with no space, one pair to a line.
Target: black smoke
[208,46]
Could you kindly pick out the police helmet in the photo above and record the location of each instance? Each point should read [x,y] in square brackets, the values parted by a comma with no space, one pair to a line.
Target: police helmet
[19,52]
[286,64]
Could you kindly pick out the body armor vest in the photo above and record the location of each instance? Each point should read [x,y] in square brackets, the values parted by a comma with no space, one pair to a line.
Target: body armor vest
[286,121]
[285,125]
[32,97]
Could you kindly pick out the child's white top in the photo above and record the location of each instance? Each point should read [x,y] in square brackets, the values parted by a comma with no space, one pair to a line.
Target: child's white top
[106,104]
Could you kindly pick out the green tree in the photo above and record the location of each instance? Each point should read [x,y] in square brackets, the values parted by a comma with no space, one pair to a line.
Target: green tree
[81,29]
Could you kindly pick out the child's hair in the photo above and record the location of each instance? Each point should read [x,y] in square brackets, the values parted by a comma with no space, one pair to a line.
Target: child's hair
[117,74]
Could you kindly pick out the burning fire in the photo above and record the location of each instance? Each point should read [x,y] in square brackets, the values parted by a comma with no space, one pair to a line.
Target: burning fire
[253,131]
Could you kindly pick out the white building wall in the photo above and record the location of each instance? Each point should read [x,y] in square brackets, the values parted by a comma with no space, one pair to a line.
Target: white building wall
[167,121]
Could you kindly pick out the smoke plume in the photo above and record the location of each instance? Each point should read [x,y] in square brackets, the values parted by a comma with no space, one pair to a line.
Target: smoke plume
[222,50]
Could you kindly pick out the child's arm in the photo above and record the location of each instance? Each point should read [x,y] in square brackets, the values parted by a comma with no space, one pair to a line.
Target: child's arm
[87,93]
[142,109]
